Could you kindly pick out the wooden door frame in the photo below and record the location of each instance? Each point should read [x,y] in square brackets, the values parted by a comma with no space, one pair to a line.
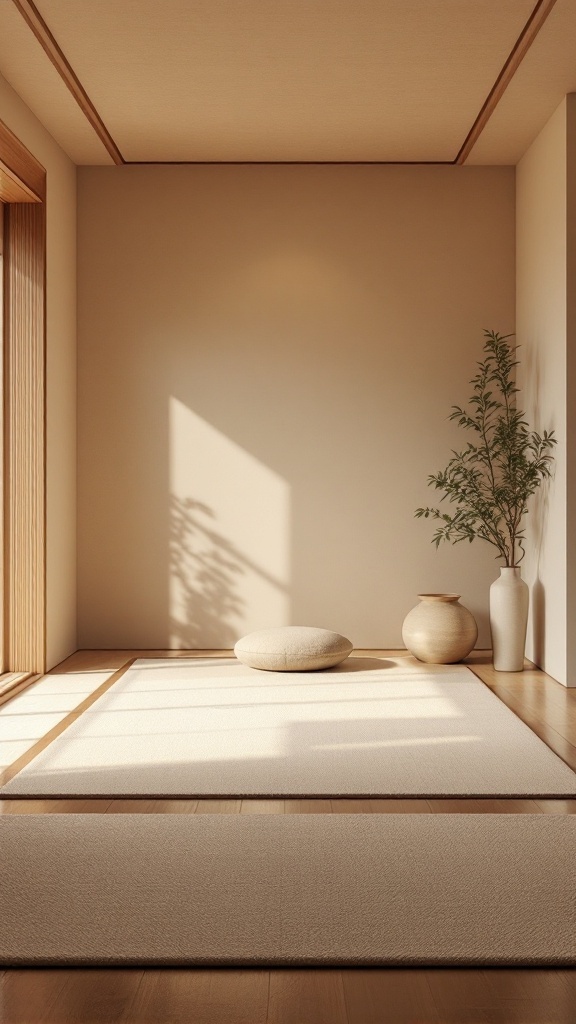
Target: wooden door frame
[23,190]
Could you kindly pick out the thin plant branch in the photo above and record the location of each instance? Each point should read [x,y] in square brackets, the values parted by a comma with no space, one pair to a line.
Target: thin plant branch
[490,482]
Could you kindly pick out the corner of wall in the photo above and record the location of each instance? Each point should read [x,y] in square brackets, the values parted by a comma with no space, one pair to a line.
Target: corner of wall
[571,386]
[544,325]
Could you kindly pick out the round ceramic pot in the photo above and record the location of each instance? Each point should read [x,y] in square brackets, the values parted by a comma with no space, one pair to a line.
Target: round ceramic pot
[508,620]
[439,630]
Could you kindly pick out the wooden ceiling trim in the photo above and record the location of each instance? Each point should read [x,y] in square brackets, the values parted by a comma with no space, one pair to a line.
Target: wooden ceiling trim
[517,54]
[13,190]
[287,163]
[19,170]
[38,26]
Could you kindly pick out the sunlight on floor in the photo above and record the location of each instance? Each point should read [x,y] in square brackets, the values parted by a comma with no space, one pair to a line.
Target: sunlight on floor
[222,728]
[376,744]
[32,713]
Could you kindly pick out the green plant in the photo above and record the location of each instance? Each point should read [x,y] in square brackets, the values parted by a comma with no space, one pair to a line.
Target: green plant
[491,480]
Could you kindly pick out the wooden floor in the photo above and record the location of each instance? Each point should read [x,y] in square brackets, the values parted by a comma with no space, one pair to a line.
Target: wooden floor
[310,996]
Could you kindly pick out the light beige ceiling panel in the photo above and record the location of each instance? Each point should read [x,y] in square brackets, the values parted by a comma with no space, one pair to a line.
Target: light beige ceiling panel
[26,67]
[399,80]
[545,76]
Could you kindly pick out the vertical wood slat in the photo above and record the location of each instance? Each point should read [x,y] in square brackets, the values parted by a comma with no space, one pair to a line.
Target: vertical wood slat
[25,431]
[3,651]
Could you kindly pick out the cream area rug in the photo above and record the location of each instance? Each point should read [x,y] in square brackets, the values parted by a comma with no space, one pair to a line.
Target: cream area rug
[302,889]
[370,727]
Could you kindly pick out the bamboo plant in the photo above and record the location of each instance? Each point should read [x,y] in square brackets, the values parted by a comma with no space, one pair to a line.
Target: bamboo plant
[491,480]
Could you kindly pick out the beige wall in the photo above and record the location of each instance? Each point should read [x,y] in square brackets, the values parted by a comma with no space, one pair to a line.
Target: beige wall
[571,388]
[60,371]
[267,359]
[546,184]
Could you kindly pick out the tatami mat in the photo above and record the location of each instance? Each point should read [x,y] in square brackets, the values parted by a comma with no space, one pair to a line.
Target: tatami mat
[370,727]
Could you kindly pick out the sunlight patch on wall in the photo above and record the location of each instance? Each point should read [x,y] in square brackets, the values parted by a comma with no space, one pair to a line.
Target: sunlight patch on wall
[229,537]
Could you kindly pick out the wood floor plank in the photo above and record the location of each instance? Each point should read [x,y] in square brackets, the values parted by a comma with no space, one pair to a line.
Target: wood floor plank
[462,995]
[561,742]
[559,719]
[507,806]
[299,996]
[464,806]
[145,806]
[388,996]
[400,806]
[218,806]
[27,995]
[532,685]
[513,1013]
[558,709]
[502,996]
[98,660]
[307,806]
[568,978]
[68,806]
[131,807]
[222,996]
[536,995]
[487,806]
[262,807]
[82,806]
[35,806]
[174,806]
[95,995]
[343,806]
[93,661]
[557,806]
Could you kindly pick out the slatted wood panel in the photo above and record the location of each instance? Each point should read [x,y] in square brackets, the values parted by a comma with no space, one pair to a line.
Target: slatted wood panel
[25,430]
[3,220]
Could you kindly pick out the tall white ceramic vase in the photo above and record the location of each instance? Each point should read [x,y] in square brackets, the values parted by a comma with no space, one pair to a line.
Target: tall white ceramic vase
[508,620]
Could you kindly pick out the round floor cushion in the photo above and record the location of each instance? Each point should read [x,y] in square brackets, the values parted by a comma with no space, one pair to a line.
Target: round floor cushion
[292,649]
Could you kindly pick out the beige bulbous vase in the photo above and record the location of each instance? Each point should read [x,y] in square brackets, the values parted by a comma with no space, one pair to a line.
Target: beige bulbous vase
[509,597]
[439,630]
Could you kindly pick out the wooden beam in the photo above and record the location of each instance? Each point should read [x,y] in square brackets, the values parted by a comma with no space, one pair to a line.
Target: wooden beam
[517,54]
[20,172]
[12,190]
[38,26]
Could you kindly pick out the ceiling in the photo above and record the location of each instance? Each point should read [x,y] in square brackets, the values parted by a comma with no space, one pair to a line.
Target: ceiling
[441,81]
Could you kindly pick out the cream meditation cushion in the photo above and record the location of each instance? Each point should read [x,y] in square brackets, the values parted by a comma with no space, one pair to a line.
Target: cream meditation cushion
[292,649]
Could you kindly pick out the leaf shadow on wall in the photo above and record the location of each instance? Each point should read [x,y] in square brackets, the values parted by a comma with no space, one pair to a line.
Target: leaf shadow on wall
[204,572]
